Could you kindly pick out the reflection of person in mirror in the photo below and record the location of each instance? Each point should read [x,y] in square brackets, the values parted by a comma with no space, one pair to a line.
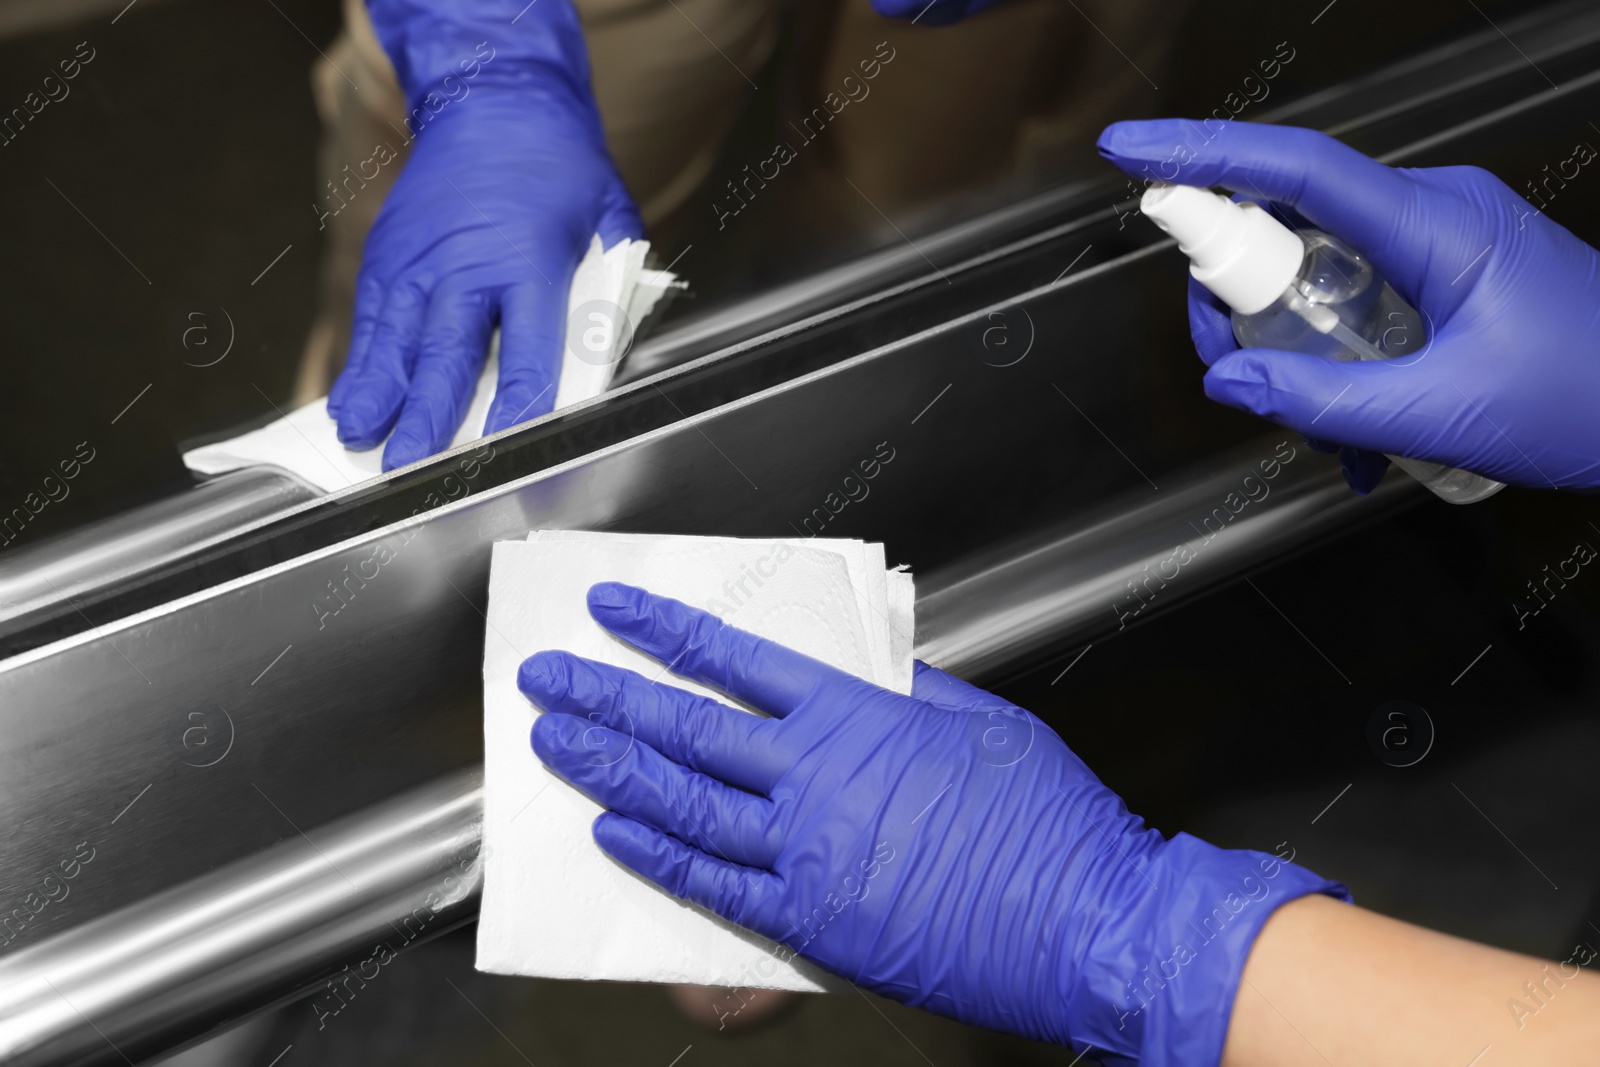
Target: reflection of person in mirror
[473,150]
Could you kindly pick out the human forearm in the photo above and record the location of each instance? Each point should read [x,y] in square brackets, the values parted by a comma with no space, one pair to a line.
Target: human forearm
[1330,983]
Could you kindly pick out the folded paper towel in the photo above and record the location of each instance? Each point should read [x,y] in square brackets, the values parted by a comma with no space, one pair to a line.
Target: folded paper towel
[306,441]
[554,905]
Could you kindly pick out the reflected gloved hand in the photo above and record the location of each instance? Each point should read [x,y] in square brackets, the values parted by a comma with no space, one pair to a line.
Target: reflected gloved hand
[945,849]
[930,12]
[508,181]
[1509,385]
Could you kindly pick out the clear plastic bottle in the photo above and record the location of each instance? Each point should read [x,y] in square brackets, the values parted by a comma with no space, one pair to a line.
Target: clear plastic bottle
[1307,292]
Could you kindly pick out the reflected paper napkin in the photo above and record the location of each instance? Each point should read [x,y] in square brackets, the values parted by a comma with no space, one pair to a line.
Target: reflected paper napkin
[305,441]
[554,905]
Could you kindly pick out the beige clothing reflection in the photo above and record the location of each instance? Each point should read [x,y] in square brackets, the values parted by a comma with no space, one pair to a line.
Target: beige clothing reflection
[1013,90]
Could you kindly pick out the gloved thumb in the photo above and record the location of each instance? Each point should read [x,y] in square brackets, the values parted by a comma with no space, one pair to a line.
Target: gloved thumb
[1369,405]
[929,12]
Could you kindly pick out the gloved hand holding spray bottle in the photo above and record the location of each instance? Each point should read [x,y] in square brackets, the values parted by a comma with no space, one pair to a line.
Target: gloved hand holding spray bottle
[1307,292]
[1506,383]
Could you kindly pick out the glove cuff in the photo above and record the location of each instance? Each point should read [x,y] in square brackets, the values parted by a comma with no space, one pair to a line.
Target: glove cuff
[1213,904]
[442,52]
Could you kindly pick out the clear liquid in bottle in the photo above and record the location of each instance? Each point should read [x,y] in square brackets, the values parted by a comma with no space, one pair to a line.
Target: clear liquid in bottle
[1338,307]
[1301,292]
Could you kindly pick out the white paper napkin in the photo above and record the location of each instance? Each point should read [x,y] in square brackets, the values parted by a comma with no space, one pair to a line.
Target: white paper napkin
[306,441]
[887,598]
[554,905]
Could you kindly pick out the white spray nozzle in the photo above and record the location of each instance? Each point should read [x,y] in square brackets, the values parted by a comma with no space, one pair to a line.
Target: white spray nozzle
[1238,251]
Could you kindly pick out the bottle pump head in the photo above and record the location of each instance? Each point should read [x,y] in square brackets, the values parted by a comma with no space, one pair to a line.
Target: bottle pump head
[1238,251]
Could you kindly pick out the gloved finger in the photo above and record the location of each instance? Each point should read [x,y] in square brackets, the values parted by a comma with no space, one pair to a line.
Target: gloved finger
[626,775]
[450,355]
[1282,212]
[370,294]
[698,645]
[1374,406]
[373,388]
[942,690]
[1362,467]
[1210,320]
[1210,324]
[736,893]
[700,733]
[1211,327]
[929,12]
[532,327]
[1335,187]
[1362,470]
[619,219]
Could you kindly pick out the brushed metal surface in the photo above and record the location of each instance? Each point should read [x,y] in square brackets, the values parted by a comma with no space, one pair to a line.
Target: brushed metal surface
[789,304]
[124,546]
[1120,567]
[155,974]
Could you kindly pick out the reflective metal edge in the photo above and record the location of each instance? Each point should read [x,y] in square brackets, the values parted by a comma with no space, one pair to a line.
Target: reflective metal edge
[1098,577]
[169,968]
[790,306]
[260,930]
[144,538]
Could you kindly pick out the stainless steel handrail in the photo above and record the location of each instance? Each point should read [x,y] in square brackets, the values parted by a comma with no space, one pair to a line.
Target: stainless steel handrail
[162,971]
[790,304]
[143,539]
[1102,575]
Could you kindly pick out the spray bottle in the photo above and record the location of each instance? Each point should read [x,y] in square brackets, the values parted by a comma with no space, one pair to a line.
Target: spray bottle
[1303,292]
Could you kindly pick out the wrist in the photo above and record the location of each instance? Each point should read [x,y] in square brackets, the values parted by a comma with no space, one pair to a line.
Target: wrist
[442,53]
[505,109]
[1172,1001]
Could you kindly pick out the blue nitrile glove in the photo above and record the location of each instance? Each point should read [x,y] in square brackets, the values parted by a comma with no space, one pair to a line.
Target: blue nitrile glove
[1508,387]
[508,181]
[945,849]
[930,12]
